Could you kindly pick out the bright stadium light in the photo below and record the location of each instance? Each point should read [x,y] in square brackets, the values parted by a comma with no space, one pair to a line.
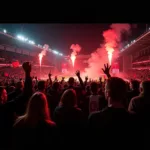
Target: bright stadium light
[31,42]
[22,38]
[4,31]
[39,45]
[60,54]
[55,52]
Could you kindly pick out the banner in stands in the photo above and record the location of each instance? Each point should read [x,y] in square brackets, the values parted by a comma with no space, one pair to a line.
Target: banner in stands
[6,74]
[64,68]
[15,64]
[115,68]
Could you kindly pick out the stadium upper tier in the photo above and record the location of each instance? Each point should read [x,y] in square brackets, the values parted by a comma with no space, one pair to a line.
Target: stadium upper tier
[140,43]
[22,42]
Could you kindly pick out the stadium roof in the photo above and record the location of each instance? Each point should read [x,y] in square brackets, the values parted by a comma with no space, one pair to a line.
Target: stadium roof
[140,43]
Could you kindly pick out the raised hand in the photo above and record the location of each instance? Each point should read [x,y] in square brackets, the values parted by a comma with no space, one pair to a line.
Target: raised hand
[86,78]
[50,74]
[100,79]
[26,67]
[106,69]
[55,78]
[78,73]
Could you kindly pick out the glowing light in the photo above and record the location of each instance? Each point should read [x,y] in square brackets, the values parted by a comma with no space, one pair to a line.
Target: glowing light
[40,58]
[31,42]
[39,45]
[22,38]
[4,31]
[73,58]
[76,49]
[55,52]
[110,53]
[43,53]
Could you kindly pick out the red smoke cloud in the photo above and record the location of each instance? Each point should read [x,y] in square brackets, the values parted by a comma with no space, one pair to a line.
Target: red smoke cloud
[107,51]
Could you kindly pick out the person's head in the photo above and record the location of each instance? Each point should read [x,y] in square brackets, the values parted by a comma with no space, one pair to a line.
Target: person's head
[115,89]
[71,81]
[11,89]
[94,87]
[69,98]
[134,84]
[65,86]
[37,108]
[145,87]
[88,88]
[20,85]
[42,85]
[56,86]
[3,95]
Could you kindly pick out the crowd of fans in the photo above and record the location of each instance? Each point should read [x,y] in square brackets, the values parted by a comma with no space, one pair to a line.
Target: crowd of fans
[138,74]
[75,114]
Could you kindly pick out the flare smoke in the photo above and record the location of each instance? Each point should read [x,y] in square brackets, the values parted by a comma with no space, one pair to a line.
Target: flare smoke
[43,53]
[107,51]
[76,48]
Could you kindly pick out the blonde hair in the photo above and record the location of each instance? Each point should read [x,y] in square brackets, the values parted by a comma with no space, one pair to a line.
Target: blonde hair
[37,110]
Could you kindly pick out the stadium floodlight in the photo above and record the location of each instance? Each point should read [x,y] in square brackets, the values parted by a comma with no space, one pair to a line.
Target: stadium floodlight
[39,45]
[22,38]
[4,31]
[31,42]
[55,52]
[133,40]
[60,54]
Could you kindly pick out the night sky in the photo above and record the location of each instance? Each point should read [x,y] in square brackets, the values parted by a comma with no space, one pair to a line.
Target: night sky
[61,36]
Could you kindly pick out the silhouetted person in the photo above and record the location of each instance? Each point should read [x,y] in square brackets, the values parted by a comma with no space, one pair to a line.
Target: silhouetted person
[135,85]
[69,118]
[18,90]
[110,126]
[35,129]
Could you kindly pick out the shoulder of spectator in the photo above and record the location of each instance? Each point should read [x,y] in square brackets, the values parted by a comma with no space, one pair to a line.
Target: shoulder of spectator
[94,115]
[135,99]
[51,123]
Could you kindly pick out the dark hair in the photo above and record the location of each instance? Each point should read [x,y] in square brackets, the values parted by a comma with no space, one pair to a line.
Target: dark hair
[94,87]
[146,86]
[71,81]
[41,85]
[56,85]
[135,84]
[69,98]
[117,88]
[1,90]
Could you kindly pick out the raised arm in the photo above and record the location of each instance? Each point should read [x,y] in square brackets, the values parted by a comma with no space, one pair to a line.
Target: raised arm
[50,79]
[85,82]
[80,79]
[106,70]
[28,80]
